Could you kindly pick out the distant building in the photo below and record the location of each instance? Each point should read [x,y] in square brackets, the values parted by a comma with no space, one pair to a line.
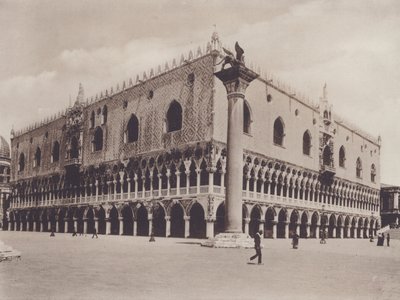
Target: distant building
[5,191]
[151,154]
[390,202]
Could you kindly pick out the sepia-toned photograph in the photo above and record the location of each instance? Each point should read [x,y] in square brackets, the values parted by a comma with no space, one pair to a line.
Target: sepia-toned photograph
[209,149]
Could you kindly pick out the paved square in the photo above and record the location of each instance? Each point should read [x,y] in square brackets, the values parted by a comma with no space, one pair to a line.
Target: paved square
[66,267]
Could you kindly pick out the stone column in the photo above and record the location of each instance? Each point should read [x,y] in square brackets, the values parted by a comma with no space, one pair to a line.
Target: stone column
[85,226]
[308,227]
[108,226]
[235,79]
[41,227]
[65,226]
[134,227]
[317,232]
[274,229]
[187,226]
[76,224]
[355,232]
[198,173]
[96,224]
[121,226]
[286,230]
[167,226]
[341,232]
[150,218]
[57,226]
[210,228]
[298,228]
[246,226]
[178,182]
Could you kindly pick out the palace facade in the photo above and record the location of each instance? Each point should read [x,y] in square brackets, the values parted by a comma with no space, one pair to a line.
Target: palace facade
[5,168]
[150,156]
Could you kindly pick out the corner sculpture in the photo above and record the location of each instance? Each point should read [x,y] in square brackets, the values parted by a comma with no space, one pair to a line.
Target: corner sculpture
[230,57]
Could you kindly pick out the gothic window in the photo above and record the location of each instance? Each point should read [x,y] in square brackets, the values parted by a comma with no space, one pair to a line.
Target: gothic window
[358,168]
[104,115]
[342,157]
[246,118]
[327,156]
[92,118]
[279,133]
[132,130]
[98,139]
[55,153]
[38,157]
[307,143]
[326,116]
[74,152]
[21,163]
[373,172]
[174,117]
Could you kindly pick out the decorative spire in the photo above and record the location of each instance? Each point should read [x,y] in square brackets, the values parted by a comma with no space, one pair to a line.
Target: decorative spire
[215,43]
[81,95]
[324,92]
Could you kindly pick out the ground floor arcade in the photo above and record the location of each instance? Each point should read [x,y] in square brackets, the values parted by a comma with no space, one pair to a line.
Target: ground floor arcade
[195,218]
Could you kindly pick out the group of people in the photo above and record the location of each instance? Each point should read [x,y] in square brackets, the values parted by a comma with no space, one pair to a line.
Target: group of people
[381,239]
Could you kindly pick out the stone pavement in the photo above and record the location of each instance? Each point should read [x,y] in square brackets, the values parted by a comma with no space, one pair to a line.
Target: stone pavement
[118,267]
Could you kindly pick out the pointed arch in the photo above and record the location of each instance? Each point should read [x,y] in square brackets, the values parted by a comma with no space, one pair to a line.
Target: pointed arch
[307,143]
[97,143]
[279,131]
[132,129]
[174,117]
[104,115]
[55,152]
[342,157]
[359,168]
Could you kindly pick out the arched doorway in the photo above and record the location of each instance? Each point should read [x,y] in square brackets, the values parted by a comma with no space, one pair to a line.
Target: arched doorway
[23,220]
[101,216]
[114,221]
[346,228]
[177,221]
[90,220]
[142,222]
[159,224]
[303,226]
[282,219]
[127,216]
[61,223]
[360,228]
[44,220]
[70,218]
[255,217]
[197,222]
[220,219]
[269,223]
[314,224]
[353,231]
[79,219]
[30,220]
[332,226]
[294,218]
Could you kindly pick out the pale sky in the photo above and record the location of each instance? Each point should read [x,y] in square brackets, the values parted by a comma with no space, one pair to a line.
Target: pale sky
[48,47]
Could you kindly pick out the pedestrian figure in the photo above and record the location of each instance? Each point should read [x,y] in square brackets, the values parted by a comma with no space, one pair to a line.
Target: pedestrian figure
[74,232]
[388,239]
[152,239]
[371,238]
[94,233]
[52,233]
[257,246]
[295,240]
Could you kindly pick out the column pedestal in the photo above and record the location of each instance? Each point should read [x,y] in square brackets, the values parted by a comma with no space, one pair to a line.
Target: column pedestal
[210,228]
[134,228]
[167,226]
[108,227]
[65,226]
[121,226]
[187,226]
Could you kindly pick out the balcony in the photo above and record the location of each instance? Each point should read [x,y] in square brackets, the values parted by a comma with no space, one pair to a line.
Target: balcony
[72,162]
[327,171]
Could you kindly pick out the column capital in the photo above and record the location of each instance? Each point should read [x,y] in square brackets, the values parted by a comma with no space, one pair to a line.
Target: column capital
[167,218]
[186,218]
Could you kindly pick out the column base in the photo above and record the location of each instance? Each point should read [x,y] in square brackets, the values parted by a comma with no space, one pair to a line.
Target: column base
[229,240]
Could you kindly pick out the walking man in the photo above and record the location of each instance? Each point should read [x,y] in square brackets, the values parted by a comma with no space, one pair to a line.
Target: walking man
[94,232]
[257,246]
[388,240]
